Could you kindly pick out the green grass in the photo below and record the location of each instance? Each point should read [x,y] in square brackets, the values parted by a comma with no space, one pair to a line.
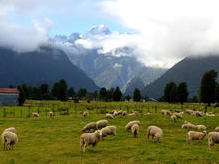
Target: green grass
[57,140]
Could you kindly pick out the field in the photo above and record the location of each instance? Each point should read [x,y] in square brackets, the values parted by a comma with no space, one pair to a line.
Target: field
[56,140]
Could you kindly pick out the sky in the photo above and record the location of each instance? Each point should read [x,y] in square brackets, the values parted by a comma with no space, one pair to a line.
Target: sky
[161,32]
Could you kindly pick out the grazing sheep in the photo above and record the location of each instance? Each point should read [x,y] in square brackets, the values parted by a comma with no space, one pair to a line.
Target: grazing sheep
[108,130]
[9,139]
[213,138]
[190,112]
[216,129]
[178,115]
[201,127]
[109,116]
[186,122]
[85,114]
[130,124]
[89,126]
[173,118]
[210,115]
[155,132]
[177,110]
[189,126]
[165,112]
[90,139]
[120,112]
[12,129]
[198,114]
[51,114]
[124,113]
[192,135]
[35,114]
[133,113]
[135,130]
[101,124]
[115,113]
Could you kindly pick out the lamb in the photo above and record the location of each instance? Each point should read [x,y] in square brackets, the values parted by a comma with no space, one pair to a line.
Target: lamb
[89,126]
[173,118]
[165,112]
[135,130]
[90,139]
[155,132]
[189,126]
[101,124]
[130,124]
[51,114]
[35,114]
[9,139]
[201,127]
[192,135]
[216,129]
[213,138]
[85,114]
[109,116]
[12,129]
[108,130]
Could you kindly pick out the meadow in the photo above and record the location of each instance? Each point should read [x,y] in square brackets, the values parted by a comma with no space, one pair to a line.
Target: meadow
[57,140]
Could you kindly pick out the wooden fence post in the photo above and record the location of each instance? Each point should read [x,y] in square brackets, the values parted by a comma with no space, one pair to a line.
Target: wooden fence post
[4,113]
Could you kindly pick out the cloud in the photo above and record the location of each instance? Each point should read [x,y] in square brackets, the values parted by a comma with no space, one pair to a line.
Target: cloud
[169,30]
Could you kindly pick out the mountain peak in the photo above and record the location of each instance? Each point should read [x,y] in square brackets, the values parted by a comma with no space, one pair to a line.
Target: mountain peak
[99,29]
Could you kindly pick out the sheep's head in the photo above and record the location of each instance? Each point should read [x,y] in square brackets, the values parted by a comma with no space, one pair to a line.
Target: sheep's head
[205,132]
[99,133]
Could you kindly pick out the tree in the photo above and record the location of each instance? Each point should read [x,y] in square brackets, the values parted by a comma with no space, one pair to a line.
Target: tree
[208,86]
[137,95]
[22,96]
[82,92]
[217,93]
[103,94]
[170,92]
[71,92]
[182,93]
[60,90]
[117,94]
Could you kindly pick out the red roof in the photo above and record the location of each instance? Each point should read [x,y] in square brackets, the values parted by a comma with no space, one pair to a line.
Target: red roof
[9,90]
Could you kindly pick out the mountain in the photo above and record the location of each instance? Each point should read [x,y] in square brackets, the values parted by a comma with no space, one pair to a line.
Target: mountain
[134,83]
[189,70]
[111,69]
[46,65]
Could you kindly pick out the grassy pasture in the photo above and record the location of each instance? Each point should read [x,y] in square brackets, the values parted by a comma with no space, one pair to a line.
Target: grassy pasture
[56,140]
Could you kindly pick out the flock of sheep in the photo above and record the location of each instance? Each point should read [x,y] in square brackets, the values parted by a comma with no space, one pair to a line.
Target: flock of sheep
[102,129]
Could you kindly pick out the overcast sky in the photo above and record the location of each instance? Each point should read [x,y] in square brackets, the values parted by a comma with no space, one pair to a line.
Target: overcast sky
[165,31]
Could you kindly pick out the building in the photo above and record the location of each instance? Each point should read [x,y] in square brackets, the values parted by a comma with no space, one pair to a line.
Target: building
[8,97]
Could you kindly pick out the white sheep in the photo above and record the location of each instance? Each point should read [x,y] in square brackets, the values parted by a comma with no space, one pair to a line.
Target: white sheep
[35,114]
[213,138]
[210,115]
[51,114]
[108,130]
[101,124]
[201,127]
[90,139]
[165,112]
[178,115]
[133,113]
[115,113]
[216,129]
[135,130]
[9,139]
[189,126]
[85,114]
[89,126]
[190,112]
[11,129]
[173,118]
[155,132]
[124,113]
[130,124]
[192,135]
[109,116]
[119,112]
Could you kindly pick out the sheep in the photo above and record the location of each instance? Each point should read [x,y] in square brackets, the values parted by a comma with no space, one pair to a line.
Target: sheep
[190,112]
[198,114]
[90,139]
[35,114]
[213,138]
[9,139]
[101,124]
[108,130]
[165,112]
[12,129]
[201,127]
[210,115]
[189,126]
[155,132]
[130,124]
[89,126]
[133,113]
[109,116]
[216,129]
[115,113]
[124,113]
[85,114]
[173,118]
[186,122]
[178,115]
[120,112]
[51,114]
[135,130]
[192,135]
